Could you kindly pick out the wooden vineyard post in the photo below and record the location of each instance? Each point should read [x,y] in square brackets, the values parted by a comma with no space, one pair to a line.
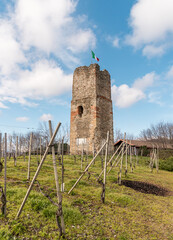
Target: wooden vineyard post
[152,159]
[121,165]
[87,167]
[40,149]
[136,156]
[19,146]
[62,166]
[59,197]
[24,149]
[10,147]
[38,170]
[82,156]
[46,142]
[93,150]
[59,148]
[105,169]
[102,157]
[37,143]
[29,159]
[5,173]
[87,153]
[131,164]
[0,146]
[126,159]
[116,159]
[157,156]
[16,155]
[111,160]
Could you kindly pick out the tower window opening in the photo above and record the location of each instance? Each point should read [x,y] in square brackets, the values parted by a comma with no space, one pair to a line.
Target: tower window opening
[80,111]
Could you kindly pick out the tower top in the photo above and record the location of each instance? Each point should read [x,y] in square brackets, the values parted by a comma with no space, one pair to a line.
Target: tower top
[93,66]
[89,81]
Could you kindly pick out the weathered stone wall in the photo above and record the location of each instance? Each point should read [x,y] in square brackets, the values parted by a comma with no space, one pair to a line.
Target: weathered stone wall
[91,92]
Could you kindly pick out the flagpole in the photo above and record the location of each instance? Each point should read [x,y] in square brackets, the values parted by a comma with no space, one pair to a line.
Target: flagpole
[91,56]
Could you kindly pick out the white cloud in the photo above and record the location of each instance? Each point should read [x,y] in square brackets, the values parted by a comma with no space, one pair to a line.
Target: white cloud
[59,102]
[151,23]
[146,81]
[124,96]
[153,51]
[46,117]
[154,97]
[79,42]
[10,49]
[170,73]
[50,27]
[22,119]
[44,79]
[116,42]
[33,33]
[2,105]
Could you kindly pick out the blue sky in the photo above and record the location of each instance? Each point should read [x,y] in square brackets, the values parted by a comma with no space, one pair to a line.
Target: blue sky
[43,41]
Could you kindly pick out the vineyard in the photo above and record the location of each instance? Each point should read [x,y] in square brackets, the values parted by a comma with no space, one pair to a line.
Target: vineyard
[141,207]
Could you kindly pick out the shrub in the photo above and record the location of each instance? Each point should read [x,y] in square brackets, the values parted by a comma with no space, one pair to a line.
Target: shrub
[166,164]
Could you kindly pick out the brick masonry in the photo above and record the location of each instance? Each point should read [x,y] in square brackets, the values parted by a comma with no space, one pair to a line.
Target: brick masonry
[91,109]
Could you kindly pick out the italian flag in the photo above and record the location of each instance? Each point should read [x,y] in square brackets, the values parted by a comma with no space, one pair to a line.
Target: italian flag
[94,56]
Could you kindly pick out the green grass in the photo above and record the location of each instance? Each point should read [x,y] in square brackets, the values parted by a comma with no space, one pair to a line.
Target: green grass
[126,214]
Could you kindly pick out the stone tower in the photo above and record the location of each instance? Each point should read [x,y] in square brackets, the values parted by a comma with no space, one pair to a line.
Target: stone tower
[91,109]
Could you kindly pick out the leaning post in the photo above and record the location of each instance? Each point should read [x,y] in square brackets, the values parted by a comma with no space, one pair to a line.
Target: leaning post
[105,169]
[58,193]
[38,170]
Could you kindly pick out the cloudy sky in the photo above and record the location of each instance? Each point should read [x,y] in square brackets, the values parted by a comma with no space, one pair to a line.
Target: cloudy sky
[43,41]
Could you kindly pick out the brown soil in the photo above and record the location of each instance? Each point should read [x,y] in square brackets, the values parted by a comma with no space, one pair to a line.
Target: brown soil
[147,188]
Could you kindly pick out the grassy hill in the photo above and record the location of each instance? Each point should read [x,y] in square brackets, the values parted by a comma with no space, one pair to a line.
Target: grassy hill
[126,214]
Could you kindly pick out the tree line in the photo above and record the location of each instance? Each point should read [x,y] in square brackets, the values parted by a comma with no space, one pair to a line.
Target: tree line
[161,133]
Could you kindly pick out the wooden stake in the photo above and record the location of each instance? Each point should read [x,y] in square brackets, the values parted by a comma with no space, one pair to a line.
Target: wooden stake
[37,141]
[5,173]
[62,166]
[86,169]
[136,157]
[116,160]
[157,156]
[29,159]
[82,156]
[102,159]
[0,146]
[105,168]
[16,151]
[59,196]
[131,164]
[40,149]
[120,173]
[24,153]
[126,159]
[38,170]
[110,160]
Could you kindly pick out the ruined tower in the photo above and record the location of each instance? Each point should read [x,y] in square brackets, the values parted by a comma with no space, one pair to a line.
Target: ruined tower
[91,109]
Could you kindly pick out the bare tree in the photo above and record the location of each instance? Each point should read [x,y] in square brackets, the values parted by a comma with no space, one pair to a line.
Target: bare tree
[160,133]
[118,134]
